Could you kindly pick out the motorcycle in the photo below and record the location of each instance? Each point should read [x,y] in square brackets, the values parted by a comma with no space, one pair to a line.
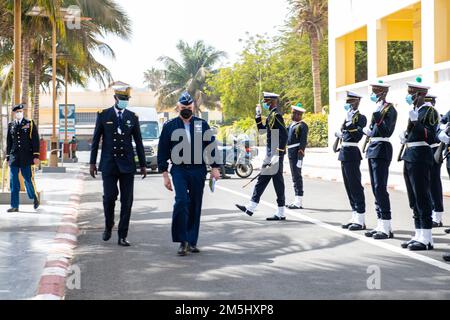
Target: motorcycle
[238,157]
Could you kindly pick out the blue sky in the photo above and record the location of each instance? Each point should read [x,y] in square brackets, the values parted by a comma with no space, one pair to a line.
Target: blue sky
[159,24]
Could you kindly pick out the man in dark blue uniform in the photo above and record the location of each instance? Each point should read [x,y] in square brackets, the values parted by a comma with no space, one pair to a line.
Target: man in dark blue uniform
[296,144]
[22,152]
[418,158]
[188,143]
[379,154]
[273,162]
[444,137]
[437,196]
[117,127]
[350,156]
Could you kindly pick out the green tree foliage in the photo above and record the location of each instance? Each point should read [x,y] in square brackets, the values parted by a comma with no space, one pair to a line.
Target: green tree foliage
[400,56]
[361,61]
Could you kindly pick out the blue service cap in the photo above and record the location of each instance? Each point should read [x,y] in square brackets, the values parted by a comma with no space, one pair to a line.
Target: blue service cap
[186,99]
[18,107]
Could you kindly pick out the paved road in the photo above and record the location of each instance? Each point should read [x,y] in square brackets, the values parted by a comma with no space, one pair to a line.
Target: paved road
[307,257]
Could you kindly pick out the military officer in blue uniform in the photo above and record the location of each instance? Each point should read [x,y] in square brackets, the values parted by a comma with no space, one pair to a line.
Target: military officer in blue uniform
[437,196]
[117,127]
[379,155]
[418,158]
[350,156]
[296,144]
[22,152]
[273,162]
[187,142]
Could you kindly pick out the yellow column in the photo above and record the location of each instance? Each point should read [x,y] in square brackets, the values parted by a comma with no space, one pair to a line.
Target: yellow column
[382,48]
[417,36]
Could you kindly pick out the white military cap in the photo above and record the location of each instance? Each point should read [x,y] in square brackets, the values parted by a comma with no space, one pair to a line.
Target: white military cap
[418,84]
[299,107]
[381,84]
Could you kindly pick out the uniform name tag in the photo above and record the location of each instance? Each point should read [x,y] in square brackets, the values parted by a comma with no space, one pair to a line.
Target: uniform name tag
[110,122]
[26,126]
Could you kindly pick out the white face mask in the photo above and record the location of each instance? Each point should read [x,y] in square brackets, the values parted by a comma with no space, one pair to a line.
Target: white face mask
[19,116]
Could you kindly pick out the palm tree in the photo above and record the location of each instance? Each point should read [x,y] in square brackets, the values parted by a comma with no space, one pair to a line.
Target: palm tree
[190,75]
[154,78]
[312,19]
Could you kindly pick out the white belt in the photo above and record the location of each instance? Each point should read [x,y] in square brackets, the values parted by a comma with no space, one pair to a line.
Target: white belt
[417,144]
[350,144]
[379,139]
[293,145]
[436,145]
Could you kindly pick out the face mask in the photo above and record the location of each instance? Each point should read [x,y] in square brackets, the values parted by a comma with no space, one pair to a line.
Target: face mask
[347,107]
[19,116]
[374,97]
[186,113]
[266,106]
[122,104]
[410,99]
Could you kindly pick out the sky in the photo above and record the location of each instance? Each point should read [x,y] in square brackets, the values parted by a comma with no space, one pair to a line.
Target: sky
[159,24]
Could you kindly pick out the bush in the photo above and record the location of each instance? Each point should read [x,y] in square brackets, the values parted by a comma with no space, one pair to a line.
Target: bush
[318,129]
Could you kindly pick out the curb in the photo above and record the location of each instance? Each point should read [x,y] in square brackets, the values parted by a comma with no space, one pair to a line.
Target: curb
[52,284]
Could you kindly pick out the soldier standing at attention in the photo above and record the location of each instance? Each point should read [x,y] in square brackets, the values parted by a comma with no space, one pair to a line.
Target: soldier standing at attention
[350,156]
[379,154]
[117,127]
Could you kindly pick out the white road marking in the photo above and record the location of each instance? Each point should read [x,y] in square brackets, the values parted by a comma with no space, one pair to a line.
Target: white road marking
[380,244]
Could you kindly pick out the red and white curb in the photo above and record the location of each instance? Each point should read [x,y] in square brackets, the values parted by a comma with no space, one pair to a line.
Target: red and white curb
[52,285]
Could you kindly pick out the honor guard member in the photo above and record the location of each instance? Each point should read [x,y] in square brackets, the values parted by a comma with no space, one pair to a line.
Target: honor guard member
[22,152]
[297,142]
[418,158]
[350,156]
[117,127]
[437,196]
[379,154]
[188,170]
[444,137]
[273,162]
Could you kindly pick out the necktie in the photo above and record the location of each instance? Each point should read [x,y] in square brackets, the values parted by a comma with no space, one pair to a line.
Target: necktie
[120,122]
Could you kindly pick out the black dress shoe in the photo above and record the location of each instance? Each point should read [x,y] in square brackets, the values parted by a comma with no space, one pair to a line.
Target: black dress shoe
[13,210]
[446,257]
[36,203]
[293,207]
[383,236]
[356,227]
[276,218]
[183,249]
[123,242]
[447,231]
[107,235]
[193,249]
[419,246]
[244,209]
[371,233]
[407,243]
[438,225]
[346,226]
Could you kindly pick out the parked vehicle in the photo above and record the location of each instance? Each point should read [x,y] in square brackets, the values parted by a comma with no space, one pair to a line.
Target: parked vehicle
[238,157]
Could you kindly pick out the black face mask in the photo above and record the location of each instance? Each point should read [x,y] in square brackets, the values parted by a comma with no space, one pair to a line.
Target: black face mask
[186,113]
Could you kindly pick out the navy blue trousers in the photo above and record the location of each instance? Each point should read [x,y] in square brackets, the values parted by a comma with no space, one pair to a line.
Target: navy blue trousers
[110,193]
[436,187]
[351,173]
[379,174]
[189,182]
[28,177]
[297,177]
[417,179]
[278,183]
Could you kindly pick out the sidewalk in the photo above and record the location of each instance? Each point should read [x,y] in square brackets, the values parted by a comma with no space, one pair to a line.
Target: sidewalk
[322,163]
[35,247]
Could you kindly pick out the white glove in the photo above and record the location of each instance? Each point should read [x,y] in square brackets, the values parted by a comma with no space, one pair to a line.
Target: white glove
[443,137]
[266,161]
[339,134]
[413,115]
[368,132]
[299,164]
[349,116]
[402,137]
[380,107]
[258,111]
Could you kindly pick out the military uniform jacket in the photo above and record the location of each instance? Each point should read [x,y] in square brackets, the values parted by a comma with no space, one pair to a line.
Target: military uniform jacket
[22,145]
[352,132]
[383,126]
[170,139]
[423,130]
[117,148]
[274,122]
[445,119]
[298,139]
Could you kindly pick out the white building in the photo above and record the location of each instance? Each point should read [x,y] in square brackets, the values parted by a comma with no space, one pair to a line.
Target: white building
[425,24]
